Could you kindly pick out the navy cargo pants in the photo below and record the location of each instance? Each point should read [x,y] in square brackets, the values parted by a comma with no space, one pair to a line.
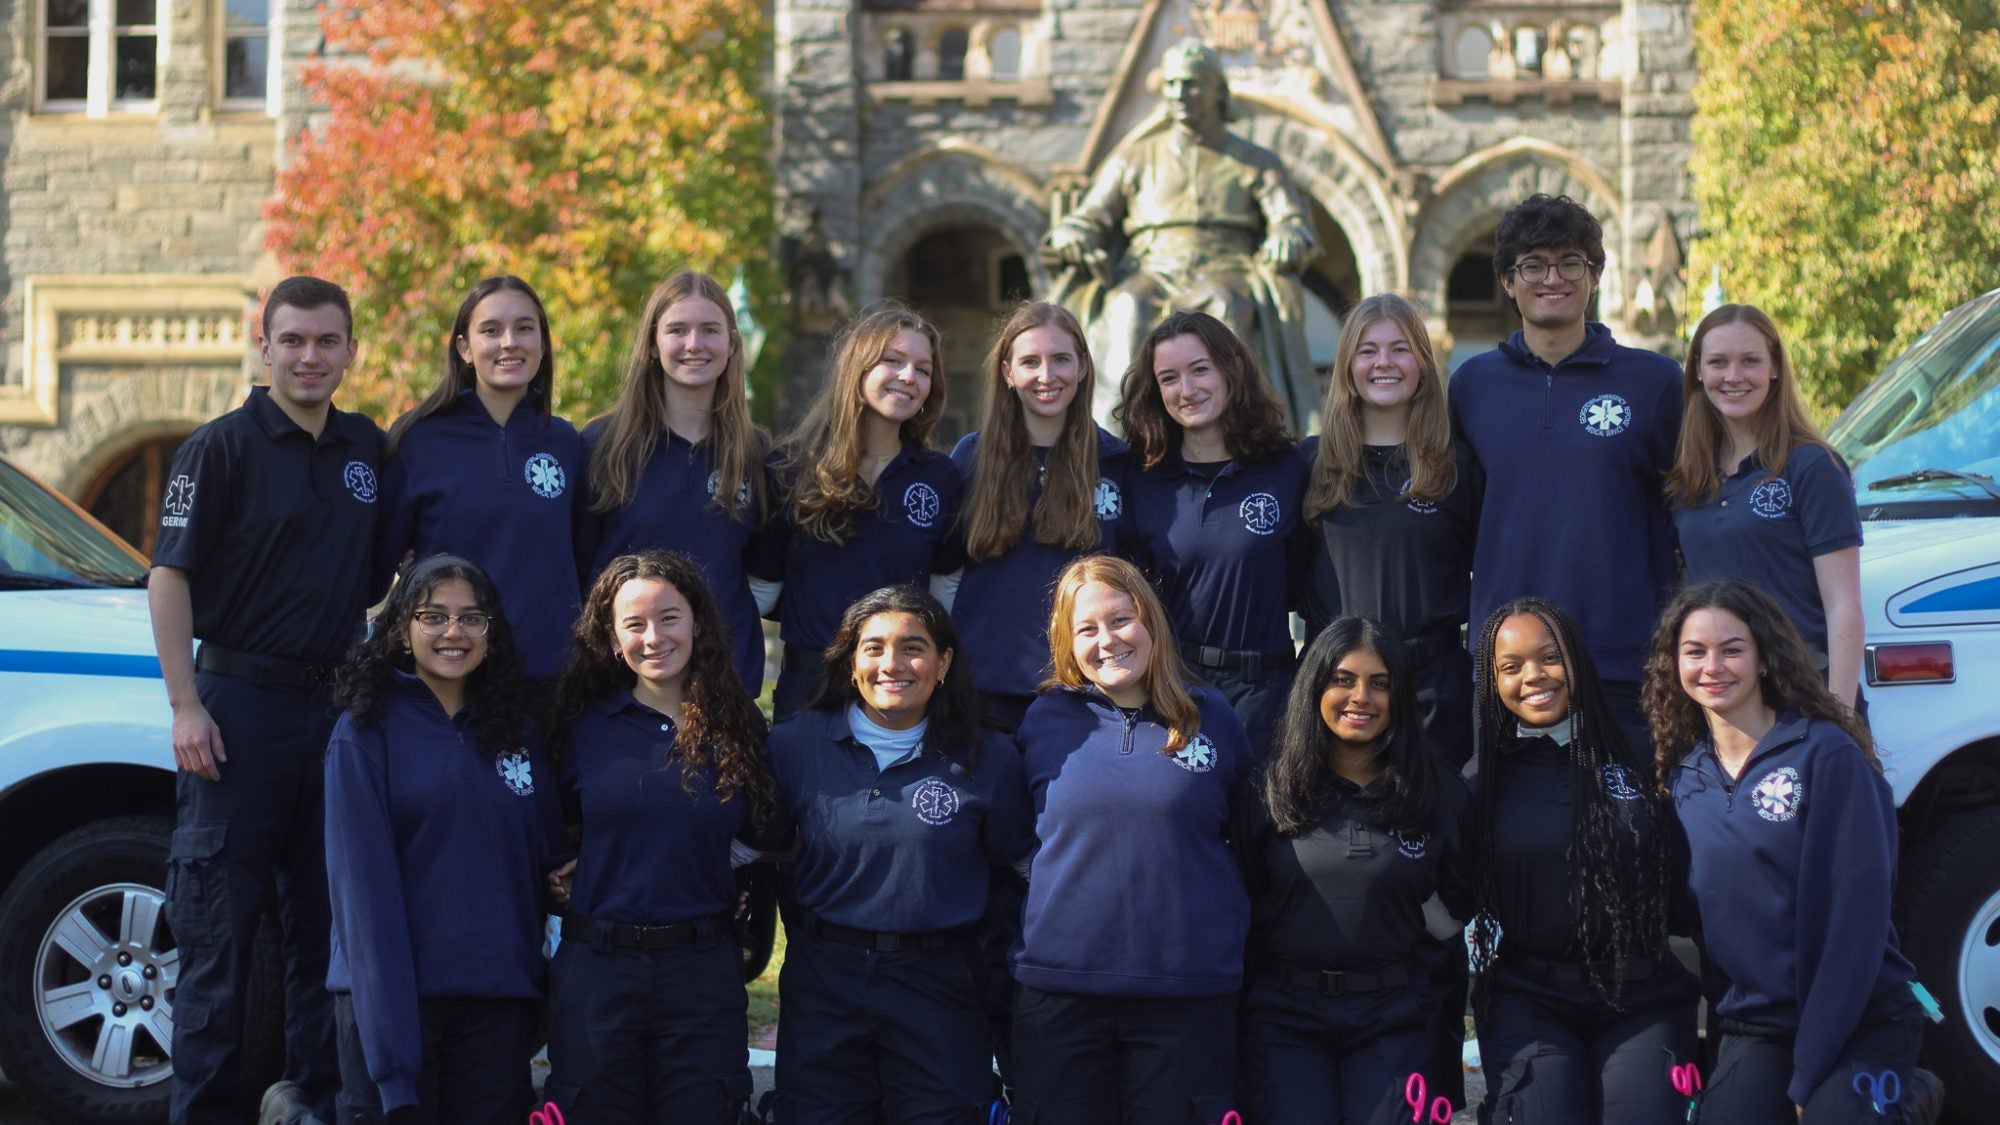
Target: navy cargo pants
[258,832]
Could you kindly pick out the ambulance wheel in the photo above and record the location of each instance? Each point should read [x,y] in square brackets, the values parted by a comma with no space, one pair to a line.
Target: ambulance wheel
[1948,917]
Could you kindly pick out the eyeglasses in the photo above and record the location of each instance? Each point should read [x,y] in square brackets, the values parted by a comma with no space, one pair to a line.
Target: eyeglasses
[434,624]
[1534,269]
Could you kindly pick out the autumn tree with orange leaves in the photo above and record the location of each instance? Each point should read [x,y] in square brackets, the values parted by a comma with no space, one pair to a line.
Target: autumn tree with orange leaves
[589,146]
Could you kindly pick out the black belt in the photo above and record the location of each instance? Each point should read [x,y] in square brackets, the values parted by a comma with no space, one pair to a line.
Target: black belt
[272,671]
[1328,982]
[885,942]
[618,935]
[1208,656]
[1432,643]
[1577,974]
[804,657]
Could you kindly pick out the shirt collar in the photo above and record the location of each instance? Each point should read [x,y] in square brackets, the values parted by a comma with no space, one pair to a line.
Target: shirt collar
[275,423]
[1595,351]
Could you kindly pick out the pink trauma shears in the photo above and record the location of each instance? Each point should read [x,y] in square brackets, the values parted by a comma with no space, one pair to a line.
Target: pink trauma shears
[1415,1093]
[547,1115]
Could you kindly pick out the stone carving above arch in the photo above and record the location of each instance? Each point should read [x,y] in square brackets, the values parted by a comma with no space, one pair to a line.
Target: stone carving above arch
[1334,172]
[109,409]
[950,183]
[1472,195]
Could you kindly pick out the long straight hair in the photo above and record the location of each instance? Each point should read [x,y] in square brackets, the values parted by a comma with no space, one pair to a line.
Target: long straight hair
[1253,421]
[1780,424]
[459,374]
[639,419]
[1301,784]
[1166,676]
[820,460]
[996,506]
[1608,862]
[954,709]
[1340,469]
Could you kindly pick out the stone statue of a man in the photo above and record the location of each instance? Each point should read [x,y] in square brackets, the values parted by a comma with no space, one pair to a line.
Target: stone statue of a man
[1205,220]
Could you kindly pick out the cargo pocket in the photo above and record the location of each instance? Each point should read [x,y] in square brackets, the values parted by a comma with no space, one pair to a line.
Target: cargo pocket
[197,894]
[1519,1100]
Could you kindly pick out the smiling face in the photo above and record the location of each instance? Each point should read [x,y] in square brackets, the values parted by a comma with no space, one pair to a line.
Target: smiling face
[1111,644]
[1529,671]
[308,351]
[503,342]
[1042,371]
[1736,371]
[1192,388]
[896,387]
[1720,667]
[451,656]
[897,668]
[1355,704]
[694,343]
[654,631]
[1552,302]
[1385,370]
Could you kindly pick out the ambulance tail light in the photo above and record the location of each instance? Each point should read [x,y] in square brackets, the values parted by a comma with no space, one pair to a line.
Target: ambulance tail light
[1922,663]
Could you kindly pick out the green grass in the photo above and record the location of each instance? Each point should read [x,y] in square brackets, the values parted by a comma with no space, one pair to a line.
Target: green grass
[764,991]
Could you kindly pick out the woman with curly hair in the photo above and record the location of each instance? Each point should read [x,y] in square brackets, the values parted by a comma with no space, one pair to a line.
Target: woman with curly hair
[660,754]
[1792,836]
[1580,1006]
[1212,510]
[1351,839]
[910,817]
[864,501]
[441,819]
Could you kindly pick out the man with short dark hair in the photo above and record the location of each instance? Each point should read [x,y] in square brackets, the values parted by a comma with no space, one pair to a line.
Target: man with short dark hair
[266,532]
[1575,433]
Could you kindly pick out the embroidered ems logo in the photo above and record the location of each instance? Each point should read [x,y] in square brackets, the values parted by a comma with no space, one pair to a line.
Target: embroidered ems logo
[1412,847]
[742,489]
[935,801]
[1421,507]
[1779,795]
[1620,782]
[1772,499]
[1198,756]
[921,504]
[517,772]
[1110,503]
[1260,513]
[360,481]
[545,476]
[1605,415]
[178,502]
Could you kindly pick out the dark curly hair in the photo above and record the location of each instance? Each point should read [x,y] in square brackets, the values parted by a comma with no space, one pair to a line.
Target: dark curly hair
[493,691]
[1610,861]
[1543,220]
[719,724]
[1791,681]
[1253,420]
[954,710]
[1299,783]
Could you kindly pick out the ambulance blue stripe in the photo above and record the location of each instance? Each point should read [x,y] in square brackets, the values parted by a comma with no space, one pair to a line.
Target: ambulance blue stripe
[1983,594]
[78,664]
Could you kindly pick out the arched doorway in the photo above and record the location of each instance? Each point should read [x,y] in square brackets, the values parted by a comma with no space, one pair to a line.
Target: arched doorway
[1477,313]
[963,277]
[125,496]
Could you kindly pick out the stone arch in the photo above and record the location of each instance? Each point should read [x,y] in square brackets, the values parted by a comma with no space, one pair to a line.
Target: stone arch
[1472,194]
[942,186]
[135,408]
[1329,168]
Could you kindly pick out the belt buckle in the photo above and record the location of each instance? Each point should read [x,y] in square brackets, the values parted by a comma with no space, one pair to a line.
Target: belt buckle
[1332,982]
[887,943]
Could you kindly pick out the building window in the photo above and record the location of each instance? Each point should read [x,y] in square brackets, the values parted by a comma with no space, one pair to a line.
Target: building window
[246,53]
[951,54]
[898,56]
[100,55]
[1005,50]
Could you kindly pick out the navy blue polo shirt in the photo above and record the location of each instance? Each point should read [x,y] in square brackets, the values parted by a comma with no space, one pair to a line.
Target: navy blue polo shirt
[1405,563]
[905,538]
[910,849]
[1793,866]
[652,853]
[1575,457]
[1342,894]
[502,496]
[1768,529]
[436,857]
[1134,891]
[672,508]
[1222,545]
[276,530]
[1003,604]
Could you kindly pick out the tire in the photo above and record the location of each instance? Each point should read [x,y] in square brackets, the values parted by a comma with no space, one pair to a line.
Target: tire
[87,973]
[1948,916]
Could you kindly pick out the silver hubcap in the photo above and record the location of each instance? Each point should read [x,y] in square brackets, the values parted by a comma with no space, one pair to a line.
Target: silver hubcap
[104,986]
[1979,977]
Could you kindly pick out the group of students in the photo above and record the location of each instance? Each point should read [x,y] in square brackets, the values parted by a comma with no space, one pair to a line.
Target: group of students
[1049,778]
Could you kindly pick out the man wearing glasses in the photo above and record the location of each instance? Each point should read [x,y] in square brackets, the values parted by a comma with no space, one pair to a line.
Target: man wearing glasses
[1575,433]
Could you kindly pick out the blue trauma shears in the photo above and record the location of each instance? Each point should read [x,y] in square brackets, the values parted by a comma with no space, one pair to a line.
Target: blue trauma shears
[998,1113]
[1882,1090]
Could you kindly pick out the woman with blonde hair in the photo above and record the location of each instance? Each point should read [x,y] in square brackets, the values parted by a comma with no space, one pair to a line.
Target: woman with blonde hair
[1131,952]
[1044,484]
[865,502]
[1756,492]
[677,463]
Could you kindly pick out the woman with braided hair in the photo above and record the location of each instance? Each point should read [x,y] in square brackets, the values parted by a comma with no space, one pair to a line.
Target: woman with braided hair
[1581,1009]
